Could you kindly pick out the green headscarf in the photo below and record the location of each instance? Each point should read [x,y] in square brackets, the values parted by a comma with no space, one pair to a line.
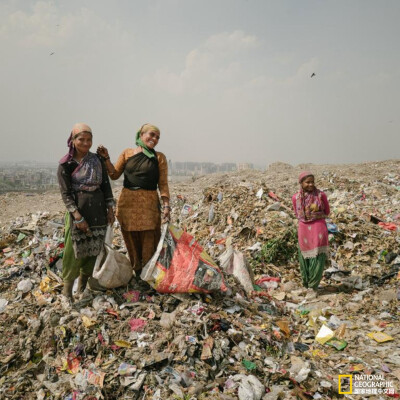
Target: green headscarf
[149,153]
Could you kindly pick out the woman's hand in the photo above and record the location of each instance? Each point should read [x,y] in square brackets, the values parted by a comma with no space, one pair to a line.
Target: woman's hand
[166,214]
[103,152]
[80,222]
[110,216]
[84,227]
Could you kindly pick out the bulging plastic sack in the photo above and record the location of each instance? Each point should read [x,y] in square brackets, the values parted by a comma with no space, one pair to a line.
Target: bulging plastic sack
[234,262]
[112,269]
[180,265]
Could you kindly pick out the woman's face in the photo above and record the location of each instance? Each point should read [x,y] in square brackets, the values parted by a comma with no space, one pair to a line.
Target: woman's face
[83,142]
[308,184]
[150,139]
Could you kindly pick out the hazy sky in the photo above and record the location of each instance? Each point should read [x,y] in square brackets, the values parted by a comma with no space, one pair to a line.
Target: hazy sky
[225,80]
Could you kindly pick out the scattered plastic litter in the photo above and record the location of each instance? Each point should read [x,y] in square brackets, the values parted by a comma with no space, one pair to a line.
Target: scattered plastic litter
[380,337]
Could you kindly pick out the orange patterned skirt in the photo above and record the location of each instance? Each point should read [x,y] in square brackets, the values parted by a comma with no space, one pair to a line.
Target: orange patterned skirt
[139,210]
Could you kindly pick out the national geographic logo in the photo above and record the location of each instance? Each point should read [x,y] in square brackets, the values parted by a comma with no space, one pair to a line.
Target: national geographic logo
[364,384]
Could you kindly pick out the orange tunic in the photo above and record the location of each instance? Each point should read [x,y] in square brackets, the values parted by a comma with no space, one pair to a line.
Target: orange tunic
[139,210]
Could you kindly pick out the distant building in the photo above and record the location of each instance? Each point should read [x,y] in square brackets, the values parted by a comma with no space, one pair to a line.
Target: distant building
[189,168]
[21,177]
[244,166]
[227,167]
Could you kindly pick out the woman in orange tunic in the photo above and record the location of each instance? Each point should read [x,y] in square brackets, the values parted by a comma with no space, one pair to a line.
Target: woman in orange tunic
[138,207]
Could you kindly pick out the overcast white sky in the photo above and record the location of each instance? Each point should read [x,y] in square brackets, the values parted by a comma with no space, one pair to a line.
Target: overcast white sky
[225,80]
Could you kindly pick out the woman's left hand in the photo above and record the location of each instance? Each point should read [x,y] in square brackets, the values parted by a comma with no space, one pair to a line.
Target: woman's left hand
[166,215]
[110,216]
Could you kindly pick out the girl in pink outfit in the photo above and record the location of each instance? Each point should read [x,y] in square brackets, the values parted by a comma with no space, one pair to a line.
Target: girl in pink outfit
[311,208]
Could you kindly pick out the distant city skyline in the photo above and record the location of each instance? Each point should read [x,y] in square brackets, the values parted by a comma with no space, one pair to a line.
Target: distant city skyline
[37,176]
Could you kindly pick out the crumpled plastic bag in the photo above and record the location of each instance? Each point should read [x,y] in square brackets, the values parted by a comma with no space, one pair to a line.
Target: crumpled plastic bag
[167,320]
[180,265]
[250,388]
[299,370]
[388,226]
[24,286]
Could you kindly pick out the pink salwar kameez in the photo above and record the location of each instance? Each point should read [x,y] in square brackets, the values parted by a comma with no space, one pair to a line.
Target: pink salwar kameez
[311,209]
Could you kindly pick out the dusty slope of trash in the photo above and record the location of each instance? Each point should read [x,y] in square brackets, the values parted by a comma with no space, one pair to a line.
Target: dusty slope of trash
[16,204]
[265,341]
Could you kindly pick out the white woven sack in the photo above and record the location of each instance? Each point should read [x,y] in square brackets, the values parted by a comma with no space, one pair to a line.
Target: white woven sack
[112,269]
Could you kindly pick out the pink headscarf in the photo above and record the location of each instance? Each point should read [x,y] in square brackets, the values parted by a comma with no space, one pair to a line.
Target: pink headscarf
[306,200]
[76,130]
[304,175]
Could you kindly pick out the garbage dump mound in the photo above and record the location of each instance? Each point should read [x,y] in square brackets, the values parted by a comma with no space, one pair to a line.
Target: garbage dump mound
[264,338]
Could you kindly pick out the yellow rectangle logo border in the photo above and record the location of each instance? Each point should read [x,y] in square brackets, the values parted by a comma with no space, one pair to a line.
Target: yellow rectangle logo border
[340,377]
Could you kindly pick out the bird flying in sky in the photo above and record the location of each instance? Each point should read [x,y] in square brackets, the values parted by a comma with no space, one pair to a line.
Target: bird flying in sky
[313,74]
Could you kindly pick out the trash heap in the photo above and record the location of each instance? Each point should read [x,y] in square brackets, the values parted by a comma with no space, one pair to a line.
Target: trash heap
[266,338]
